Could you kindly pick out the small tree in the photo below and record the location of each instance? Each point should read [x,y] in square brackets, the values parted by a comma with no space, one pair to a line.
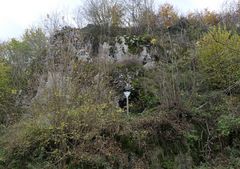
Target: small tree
[219,55]
[103,12]
[210,18]
[24,53]
[147,19]
[7,102]
[167,15]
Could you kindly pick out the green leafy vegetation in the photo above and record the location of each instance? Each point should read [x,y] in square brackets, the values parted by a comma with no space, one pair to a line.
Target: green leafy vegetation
[219,56]
[62,104]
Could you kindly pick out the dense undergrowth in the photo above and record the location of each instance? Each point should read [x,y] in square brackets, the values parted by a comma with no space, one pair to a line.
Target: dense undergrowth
[184,110]
[89,132]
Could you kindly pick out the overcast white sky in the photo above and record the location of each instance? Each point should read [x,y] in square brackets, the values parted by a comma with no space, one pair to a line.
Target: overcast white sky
[17,15]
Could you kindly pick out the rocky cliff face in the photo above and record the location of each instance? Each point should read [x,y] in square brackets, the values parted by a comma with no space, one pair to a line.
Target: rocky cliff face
[70,45]
[82,47]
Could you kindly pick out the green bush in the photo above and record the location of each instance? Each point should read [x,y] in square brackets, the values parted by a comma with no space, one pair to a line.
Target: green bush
[219,57]
[227,124]
[7,93]
[136,43]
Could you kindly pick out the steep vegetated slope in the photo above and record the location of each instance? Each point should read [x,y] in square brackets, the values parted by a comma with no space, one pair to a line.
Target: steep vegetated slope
[62,103]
